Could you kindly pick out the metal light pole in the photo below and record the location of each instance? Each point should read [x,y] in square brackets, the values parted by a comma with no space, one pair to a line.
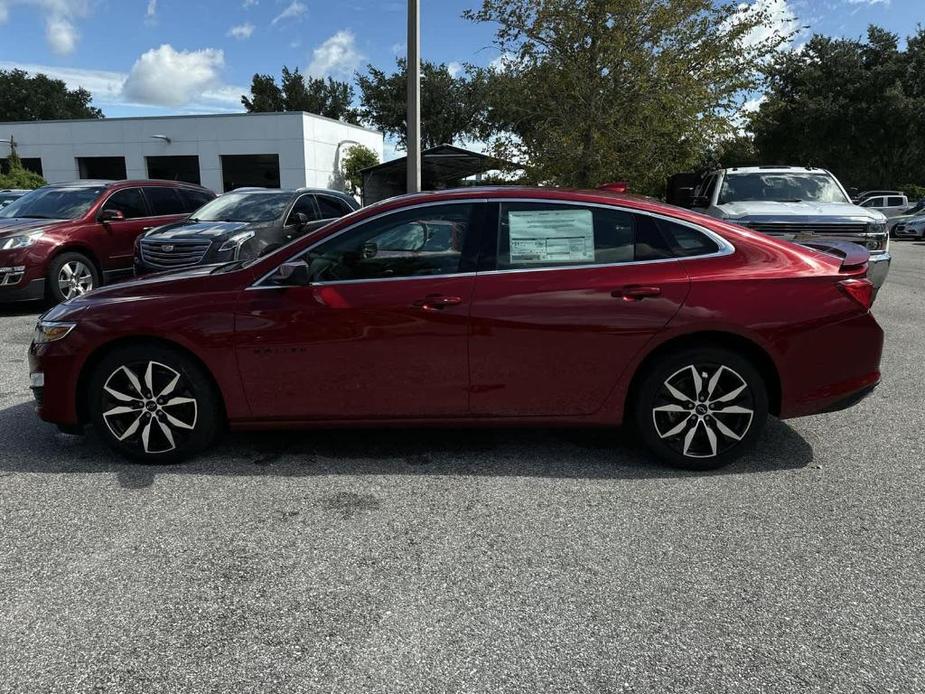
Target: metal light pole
[413,135]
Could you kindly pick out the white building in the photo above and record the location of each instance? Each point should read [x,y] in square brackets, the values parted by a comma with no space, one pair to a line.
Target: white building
[221,152]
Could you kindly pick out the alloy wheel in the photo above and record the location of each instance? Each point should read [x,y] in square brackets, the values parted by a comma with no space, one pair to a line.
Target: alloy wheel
[703,410]
[75,278]
[149,406]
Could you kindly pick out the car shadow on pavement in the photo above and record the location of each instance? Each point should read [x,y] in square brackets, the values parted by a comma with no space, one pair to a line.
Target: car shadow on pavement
[22,308]
[28,445]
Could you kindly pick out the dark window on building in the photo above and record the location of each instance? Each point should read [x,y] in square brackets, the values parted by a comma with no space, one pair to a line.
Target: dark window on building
[103,168]
[129,201]
[164,201]
[194,199]
[177,168]
[250,170]
[33,164]
[332,207]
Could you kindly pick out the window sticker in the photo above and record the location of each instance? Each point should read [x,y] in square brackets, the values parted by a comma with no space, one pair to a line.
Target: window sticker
[551,236]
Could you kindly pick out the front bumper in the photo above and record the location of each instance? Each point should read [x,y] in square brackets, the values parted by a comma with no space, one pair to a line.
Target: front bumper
[24,291]
[877,268]
[901,231]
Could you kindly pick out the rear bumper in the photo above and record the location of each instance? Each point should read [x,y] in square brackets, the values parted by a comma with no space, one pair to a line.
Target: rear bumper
[851,400]
[877,268]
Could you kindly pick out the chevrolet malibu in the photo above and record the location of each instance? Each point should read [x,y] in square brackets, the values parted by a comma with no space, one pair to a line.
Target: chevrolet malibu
[507,306]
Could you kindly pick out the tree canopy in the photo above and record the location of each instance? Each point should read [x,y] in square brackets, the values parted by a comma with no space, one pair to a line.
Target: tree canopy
[296,92]
[590,91]
[18,176]
[39,97]
[358,157]
[451,106]
[852,106]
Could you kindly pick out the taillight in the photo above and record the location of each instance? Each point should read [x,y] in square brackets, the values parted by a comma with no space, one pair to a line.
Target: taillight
[861,291]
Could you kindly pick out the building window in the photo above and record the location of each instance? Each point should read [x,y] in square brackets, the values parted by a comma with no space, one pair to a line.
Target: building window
[33,164]
[250,170]
[102,168]
[177,168]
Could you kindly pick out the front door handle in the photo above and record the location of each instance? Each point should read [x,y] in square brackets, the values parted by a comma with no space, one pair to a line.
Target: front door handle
[437,302]
[143,229]
[635,292]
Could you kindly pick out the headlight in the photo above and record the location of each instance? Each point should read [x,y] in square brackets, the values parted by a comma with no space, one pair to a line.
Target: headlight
[23,241]
[876,227]
[50,331]
[236,241]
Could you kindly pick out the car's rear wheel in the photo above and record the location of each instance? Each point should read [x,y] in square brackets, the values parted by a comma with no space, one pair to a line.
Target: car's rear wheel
[70,275]
[153,404]
[701,408]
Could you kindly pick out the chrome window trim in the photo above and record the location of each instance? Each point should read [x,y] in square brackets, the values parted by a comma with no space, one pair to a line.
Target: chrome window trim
[725,247]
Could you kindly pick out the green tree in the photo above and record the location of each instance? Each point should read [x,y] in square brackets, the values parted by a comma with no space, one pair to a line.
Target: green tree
[359,157]
[296,92]
[19,177]
[852,106]
[39,97]
[451,107]
[591,91]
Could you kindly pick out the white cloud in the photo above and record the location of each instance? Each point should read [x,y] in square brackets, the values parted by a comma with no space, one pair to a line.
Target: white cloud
[885,3]
[455,68]
[60,20]
[337,56]
[294,10]
[782,20]
[167,77]
[241,31]
[248,3]
[151,12]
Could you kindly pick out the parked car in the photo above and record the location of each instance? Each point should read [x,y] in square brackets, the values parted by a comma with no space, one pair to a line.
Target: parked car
[911,228]
[889,205]
[239,225]
[806,205]
[914,211]
[493,306]
[861,197]
[8,195]
[62,240]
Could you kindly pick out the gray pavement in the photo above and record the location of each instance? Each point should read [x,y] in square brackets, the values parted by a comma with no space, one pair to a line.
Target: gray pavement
[473,561]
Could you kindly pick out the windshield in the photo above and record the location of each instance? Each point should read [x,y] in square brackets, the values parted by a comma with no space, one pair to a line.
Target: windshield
[53,203]
[780,187]
[244,207]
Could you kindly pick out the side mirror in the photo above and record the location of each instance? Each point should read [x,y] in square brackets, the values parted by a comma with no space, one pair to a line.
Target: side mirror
[700,201]
[112,216]
[299,219]
[294,273]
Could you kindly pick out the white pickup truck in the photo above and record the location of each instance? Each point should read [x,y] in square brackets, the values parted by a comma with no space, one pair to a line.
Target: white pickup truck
[801,204]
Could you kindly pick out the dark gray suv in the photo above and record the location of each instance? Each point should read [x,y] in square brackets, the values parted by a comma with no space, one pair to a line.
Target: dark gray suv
[240,225]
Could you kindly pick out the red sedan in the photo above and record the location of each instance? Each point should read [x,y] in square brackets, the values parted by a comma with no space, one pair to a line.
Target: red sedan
[481,306]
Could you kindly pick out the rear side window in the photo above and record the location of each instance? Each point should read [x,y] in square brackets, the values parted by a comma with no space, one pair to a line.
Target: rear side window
[194,199]
[331,207]
[164,201]
[685,241]
[894,202]
[129,202]
[535,235]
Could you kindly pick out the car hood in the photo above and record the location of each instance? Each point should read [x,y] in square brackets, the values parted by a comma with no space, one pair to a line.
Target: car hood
[149,287]
[21,225]
[213,231]
[832,210]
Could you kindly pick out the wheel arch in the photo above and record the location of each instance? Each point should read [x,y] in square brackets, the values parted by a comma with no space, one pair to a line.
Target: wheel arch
[82,250]
[748,348]
[89,366]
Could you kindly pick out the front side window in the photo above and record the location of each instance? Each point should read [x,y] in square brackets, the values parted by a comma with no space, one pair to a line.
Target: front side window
[873,202]
[421,242]
[536,235]
[194,199]
[777,186]
[130,202]
[53,203]
[306,205]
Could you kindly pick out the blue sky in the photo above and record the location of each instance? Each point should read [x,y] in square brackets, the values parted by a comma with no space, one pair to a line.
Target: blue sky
[144,57]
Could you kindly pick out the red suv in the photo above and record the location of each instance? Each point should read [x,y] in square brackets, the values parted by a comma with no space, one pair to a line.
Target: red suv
[63,240]
[493,306]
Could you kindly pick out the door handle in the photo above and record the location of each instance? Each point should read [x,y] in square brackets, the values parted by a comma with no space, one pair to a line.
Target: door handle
[635,292]
[146,229]
[436,302]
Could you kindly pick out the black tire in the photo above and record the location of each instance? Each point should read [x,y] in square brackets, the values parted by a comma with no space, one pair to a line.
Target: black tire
[682,427]
[181,418]
[77,269]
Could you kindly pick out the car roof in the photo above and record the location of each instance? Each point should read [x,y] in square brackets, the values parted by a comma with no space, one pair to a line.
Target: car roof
[105,183]
[772,169]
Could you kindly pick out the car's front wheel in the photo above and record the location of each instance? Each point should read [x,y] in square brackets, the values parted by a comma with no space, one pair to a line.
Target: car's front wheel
[153,404]
[701,408]
[70,275]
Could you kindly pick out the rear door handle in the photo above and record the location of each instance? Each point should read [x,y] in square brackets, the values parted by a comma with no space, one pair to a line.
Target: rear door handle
[437,302]
[635,292]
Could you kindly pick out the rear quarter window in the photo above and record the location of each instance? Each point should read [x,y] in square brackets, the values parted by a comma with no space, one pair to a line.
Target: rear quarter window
[685,241]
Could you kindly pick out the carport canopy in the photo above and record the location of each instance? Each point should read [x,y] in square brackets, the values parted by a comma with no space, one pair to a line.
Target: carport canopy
[444,166]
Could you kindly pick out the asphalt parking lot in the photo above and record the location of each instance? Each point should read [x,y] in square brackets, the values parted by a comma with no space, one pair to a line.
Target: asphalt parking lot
[474,561]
